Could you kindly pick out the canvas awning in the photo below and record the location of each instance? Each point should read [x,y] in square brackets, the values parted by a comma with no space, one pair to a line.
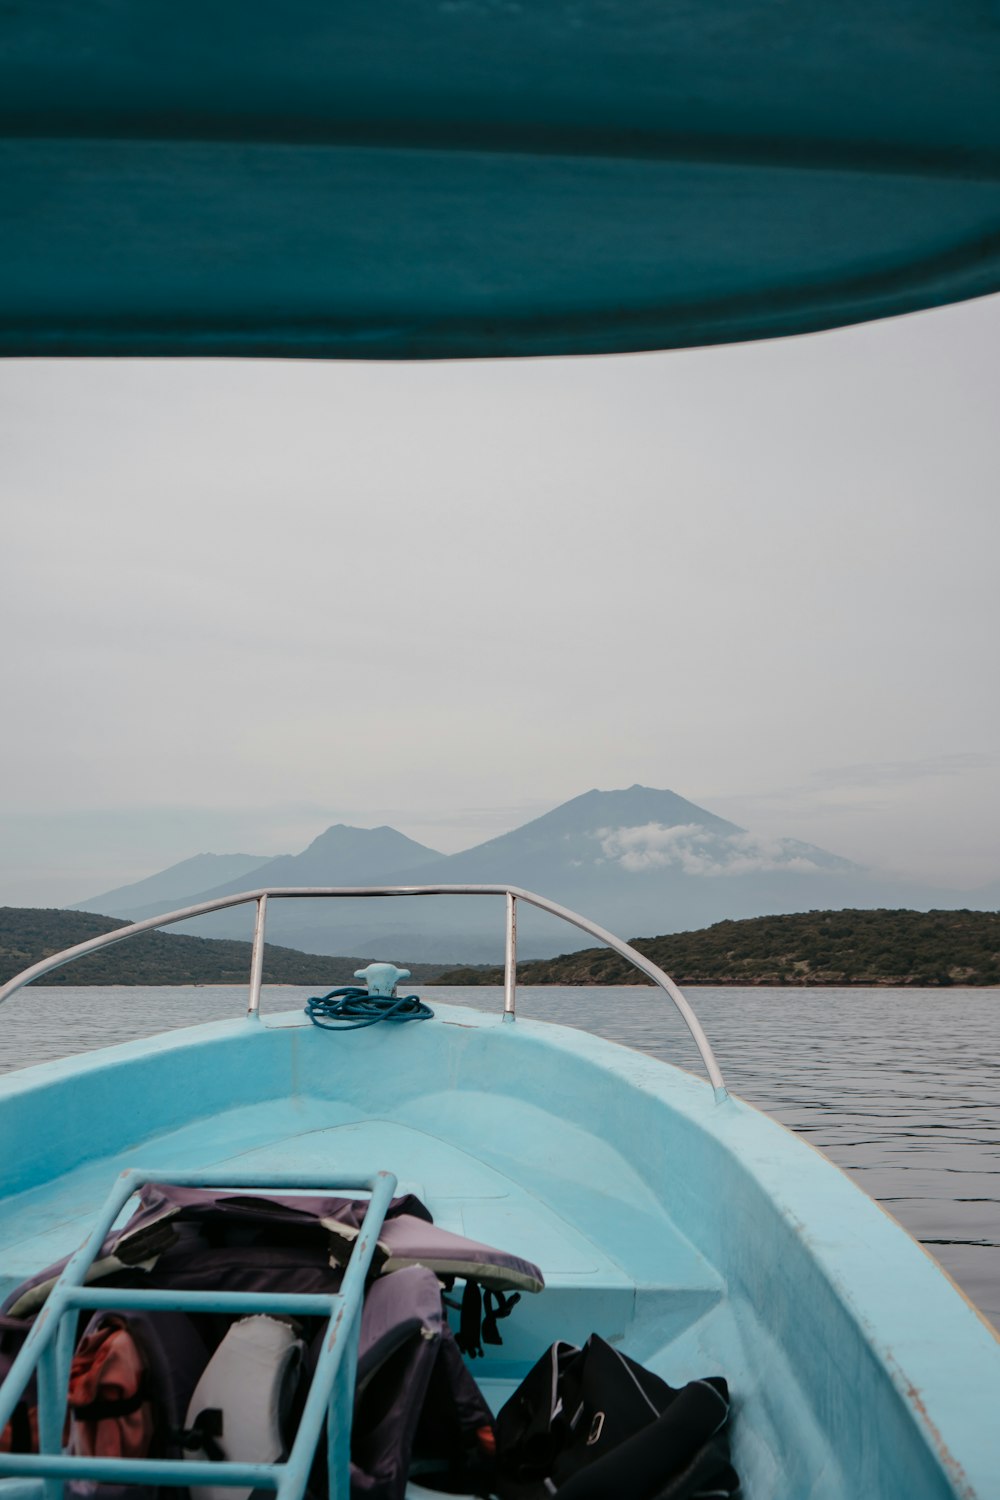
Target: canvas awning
[407,179]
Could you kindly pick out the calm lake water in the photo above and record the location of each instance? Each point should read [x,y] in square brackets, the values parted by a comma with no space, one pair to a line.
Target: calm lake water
[900,1087]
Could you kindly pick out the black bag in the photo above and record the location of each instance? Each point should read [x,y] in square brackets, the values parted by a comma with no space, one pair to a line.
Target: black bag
[591,1423]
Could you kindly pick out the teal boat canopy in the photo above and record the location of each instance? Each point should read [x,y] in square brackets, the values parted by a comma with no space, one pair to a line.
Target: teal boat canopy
[412,179]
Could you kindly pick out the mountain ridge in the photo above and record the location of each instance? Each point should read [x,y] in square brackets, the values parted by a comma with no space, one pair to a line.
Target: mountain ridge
[632,859]
[176,880]
[334,852]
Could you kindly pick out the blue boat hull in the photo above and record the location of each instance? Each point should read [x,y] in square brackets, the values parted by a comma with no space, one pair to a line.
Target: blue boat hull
[700,1236]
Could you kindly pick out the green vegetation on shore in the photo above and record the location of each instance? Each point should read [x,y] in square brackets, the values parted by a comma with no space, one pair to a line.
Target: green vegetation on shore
[805,948]
[28,934]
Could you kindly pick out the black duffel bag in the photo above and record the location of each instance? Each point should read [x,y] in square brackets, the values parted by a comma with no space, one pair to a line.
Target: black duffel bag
[590,1423]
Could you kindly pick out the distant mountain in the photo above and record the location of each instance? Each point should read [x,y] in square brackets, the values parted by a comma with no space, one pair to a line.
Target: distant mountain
[601,836]
[169,888]
[340,856]
[634,860]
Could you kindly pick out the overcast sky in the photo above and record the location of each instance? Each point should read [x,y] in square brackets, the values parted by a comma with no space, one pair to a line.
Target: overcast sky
[242,601]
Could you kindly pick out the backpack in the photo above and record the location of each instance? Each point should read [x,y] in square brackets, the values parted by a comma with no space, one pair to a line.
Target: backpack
[170,1385]
[590,1423]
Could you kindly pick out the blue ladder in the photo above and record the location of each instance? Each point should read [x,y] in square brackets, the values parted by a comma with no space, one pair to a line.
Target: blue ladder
[48,1349]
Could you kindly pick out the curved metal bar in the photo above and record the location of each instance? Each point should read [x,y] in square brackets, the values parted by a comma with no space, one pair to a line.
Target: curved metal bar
[513,893]
[647,967]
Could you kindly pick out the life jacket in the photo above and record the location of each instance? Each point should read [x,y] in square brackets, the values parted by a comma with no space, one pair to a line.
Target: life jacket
[21,1433]
[166,1213]
[196,1238]
[208,1386]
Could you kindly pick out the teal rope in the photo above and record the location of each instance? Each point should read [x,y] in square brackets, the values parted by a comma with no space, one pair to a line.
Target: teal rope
[351,1007]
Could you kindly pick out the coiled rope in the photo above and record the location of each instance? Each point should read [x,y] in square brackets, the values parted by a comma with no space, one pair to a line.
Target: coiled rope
[351,1007]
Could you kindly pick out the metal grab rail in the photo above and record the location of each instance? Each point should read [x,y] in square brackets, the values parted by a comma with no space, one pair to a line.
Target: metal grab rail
[512,894]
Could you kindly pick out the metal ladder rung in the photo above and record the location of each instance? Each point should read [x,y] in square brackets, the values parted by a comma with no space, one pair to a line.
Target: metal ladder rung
[168,1471]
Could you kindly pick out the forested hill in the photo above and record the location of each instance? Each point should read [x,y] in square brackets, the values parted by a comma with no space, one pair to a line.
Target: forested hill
[28,934]
[807,948]
[817,947]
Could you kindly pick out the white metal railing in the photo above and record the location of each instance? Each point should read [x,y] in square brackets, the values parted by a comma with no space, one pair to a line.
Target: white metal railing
[512,894]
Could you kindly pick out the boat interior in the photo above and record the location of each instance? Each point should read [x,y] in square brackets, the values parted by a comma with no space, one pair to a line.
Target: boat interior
[684,1227]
